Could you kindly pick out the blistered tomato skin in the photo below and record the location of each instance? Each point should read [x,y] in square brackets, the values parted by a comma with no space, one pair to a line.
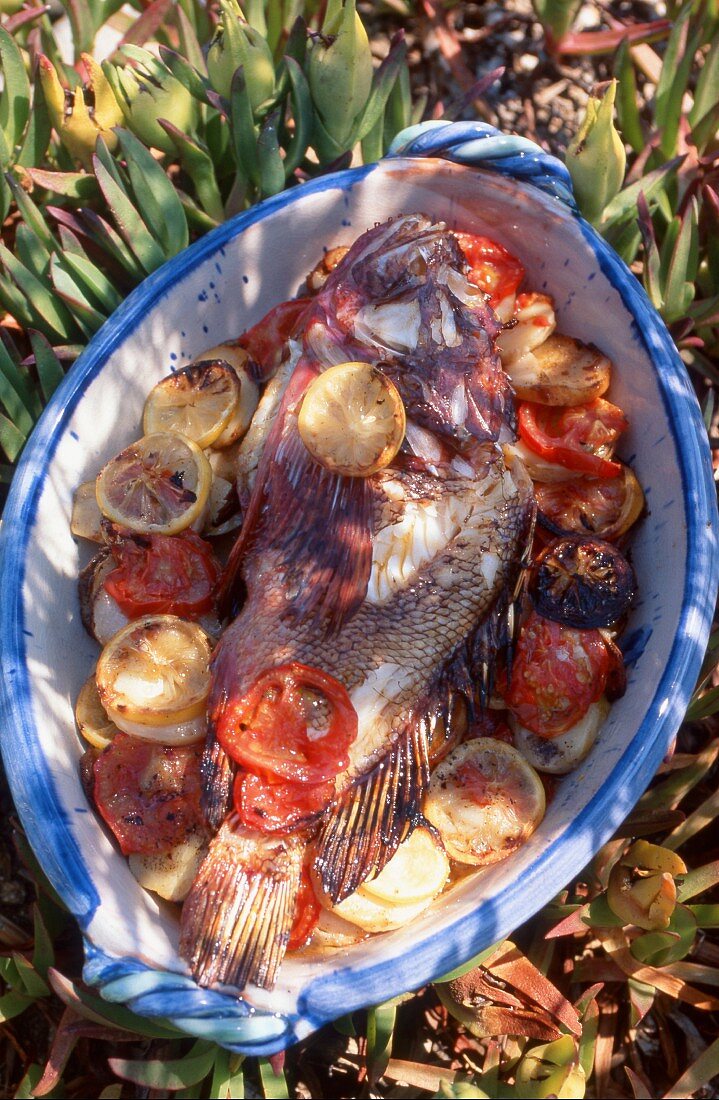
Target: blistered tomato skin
[163,575]
[148,794]
[605,507]
[267,730]
[579,437]
[582,582]
[557,673]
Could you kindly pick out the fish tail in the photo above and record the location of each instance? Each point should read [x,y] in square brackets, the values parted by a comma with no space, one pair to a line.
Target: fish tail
[237,918]
[367,824]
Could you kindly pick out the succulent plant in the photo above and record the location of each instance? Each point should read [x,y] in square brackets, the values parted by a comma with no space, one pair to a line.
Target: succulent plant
[108,178]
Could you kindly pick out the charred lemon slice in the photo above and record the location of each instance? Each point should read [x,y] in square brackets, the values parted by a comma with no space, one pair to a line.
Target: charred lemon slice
[153,677]
[485,800]
[197,401]
[352,419]
[91,717]
[158,485]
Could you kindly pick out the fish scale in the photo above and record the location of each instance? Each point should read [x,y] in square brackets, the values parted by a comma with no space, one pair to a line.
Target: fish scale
[309,551]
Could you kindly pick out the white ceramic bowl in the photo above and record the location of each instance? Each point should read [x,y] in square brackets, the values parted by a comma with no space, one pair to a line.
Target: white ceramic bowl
[211,292]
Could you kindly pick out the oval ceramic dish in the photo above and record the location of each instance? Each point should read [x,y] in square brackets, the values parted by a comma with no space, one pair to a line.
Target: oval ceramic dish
[508,189]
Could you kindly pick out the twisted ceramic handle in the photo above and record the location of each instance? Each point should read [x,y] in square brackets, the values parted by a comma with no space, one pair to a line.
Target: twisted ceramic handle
[483,146]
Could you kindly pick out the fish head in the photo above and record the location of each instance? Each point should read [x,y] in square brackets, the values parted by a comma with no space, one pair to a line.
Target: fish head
[401,298]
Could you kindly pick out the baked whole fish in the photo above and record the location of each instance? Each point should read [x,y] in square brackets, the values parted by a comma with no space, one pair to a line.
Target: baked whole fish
[399,585]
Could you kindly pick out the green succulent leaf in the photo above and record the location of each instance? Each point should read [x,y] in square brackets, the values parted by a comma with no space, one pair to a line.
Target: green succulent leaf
[186,73]
[43,955]
[244,136]
[679,265]
[174,1074]
[16,96]
[131,226]
[302,114]
[228,1079]
[673,82]
[51,316]
[49,367]
[31,214]
[31,252]
[155,195]
[83,25]
[383,82]
[271,164]
[37,134]
[12,442]
[381,1023]
[627,101]
[32,983]
[12,1004]
[96,284]
[672,945]
[16,392]
[190,43]
[199,166]
[78,186]
[70,287]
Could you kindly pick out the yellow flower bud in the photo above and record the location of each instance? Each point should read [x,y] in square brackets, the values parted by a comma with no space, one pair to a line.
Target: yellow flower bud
[77,124]
[596,158]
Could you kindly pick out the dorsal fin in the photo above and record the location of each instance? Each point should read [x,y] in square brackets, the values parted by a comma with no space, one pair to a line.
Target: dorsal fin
[364,828]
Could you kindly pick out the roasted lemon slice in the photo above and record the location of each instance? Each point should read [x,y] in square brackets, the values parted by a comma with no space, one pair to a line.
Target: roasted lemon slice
[91,717]
[153,677]
[352,419]
[485,800]
[197,401]
[158,485]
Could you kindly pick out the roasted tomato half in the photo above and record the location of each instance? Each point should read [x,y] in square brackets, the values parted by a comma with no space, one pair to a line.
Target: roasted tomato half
[491,267]
[557,673]
[582,582]
[270,804]
[148,794]
[294,722]
[606,507]
[579,437]
[163,575]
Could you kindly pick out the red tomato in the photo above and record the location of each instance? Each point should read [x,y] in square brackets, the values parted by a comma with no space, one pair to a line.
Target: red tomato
[163,575]
[267,731]
[580,437]
[604,507]
[492,268]
[557,673]
[307,914]
[149,794]
[269,804]
[265,339]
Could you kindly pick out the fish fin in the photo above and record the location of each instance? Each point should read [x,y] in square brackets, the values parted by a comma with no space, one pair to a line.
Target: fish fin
[320,522]
[218,774]
[366,825]
[323,524]
[237,918]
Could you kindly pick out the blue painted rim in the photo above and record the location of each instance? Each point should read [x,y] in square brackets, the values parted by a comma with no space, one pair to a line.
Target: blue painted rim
[326,997]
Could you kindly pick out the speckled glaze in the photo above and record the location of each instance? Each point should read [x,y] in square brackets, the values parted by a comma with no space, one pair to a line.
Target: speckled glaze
[478,180]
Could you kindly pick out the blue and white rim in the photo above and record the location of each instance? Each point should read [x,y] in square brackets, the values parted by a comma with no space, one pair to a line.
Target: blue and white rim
[174,997]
